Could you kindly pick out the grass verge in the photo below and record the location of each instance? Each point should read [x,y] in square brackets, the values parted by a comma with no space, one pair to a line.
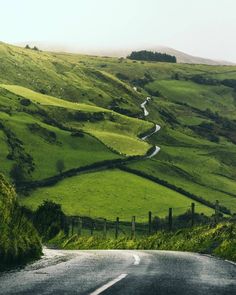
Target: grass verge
[219,240]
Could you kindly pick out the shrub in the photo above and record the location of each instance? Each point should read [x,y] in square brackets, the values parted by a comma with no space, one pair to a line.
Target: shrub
[49,219]
[60,165]
[79,133]
[25,102]
[18,174]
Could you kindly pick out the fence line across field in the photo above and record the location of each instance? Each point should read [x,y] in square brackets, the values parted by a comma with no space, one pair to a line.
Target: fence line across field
[120,227]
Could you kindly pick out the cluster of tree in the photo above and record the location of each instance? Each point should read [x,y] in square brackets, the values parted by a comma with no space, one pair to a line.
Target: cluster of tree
[204,80]
[122,76]
[49,220]
[152,92]
[200,79]
[78,133]
[152,56]
[23,162]
[207,130]
[28,185]
[84,116]
[229,83]
[33,48]
[119,105]
[141,82]
[47,135]
[222,127]
[168,116]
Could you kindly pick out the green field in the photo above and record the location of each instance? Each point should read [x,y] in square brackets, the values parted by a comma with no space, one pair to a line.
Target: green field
[216,98]
[116,131]
[111,194]
[84,110]
[50,100]
[45,151]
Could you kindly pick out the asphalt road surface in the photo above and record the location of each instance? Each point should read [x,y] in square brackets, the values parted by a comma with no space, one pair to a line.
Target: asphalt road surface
[122,272]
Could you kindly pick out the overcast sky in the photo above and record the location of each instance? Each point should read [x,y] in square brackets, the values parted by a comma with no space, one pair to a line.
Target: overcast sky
[204,28]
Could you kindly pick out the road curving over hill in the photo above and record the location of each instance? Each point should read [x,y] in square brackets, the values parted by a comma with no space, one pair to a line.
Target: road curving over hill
[99,166]
[157,128]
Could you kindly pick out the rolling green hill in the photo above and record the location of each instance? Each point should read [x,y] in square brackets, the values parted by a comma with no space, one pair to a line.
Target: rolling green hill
[112,193]
[111,128]
[83,110]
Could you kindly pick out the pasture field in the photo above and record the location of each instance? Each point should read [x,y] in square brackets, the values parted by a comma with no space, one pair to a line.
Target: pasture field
[113,193]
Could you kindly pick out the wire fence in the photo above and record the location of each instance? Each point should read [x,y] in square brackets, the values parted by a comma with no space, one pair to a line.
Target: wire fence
[143,224]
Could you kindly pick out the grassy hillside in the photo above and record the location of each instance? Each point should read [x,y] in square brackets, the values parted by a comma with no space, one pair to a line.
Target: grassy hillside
[50,100]
[117,131]
[19,239]
[113,193]
[84,109]
[37,146]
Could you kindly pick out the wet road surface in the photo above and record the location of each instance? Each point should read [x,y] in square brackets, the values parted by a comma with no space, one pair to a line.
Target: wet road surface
[122,272]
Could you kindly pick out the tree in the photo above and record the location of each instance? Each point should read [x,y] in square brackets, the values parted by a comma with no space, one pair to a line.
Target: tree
[25,102]
[152,56]
[60,165]
[27,47]
[49,219]
[17,174]
[35,48]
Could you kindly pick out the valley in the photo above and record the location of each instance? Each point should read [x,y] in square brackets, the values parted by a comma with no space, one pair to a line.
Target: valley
[82,121]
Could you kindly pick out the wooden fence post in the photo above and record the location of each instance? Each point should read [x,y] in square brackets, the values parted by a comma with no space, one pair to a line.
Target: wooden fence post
[72,226]
[65,226]
[170,219]
[117,227]
[105,228]
[133,228]
[80,224]
[92,227]
[149,222]
[192,214]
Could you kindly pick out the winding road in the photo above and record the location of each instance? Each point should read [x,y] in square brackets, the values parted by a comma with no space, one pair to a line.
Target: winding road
[122,272]
[157,128]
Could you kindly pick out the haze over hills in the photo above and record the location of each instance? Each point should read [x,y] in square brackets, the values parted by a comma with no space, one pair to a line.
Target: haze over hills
[181,56]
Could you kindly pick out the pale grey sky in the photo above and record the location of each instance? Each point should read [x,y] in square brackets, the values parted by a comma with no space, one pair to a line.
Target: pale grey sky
[204,28]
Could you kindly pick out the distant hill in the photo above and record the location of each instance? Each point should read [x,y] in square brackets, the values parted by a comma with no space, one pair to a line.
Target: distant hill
[182,57]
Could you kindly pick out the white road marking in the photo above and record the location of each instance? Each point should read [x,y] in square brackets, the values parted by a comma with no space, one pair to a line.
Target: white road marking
[108,285]
[136,259]
[231,262]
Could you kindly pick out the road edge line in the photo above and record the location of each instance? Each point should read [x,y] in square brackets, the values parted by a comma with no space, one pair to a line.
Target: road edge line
[231,262]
